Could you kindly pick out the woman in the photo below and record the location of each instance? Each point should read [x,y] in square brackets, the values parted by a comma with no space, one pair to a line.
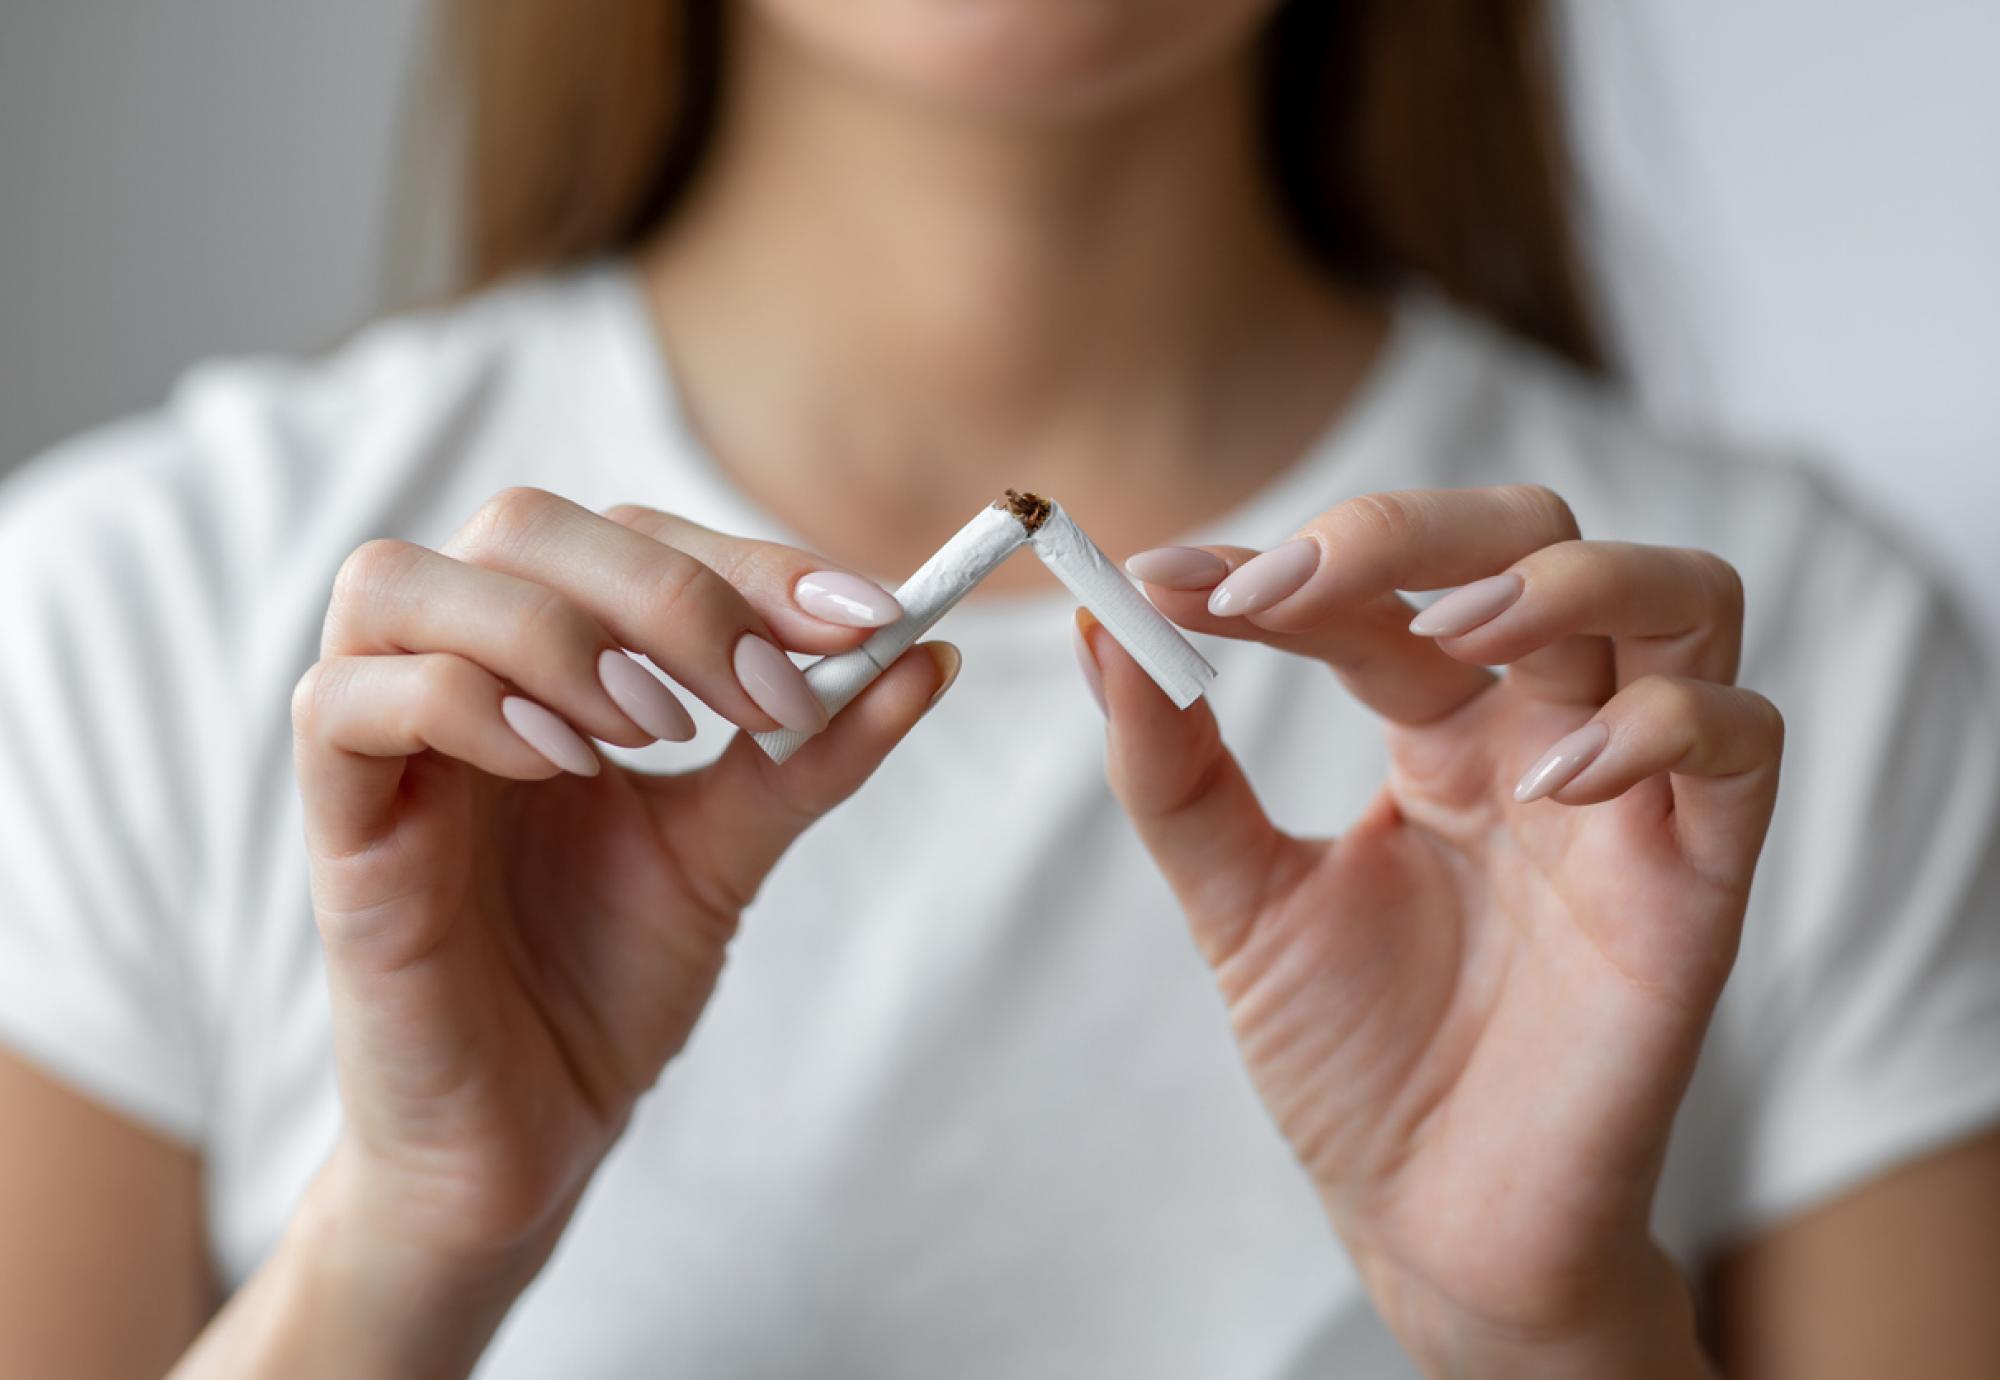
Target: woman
[965,1101]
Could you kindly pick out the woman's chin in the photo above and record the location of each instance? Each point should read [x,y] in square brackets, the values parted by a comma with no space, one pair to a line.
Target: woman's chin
[1028,60]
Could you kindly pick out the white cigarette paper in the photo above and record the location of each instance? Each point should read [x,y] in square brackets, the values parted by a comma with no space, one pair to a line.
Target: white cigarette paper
[948,576]
[975,552]
[1157,645]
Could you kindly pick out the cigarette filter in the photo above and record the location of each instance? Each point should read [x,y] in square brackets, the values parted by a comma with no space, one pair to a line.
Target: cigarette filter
[975,552]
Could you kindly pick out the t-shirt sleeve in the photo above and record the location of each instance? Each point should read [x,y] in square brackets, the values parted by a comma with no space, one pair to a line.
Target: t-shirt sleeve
[1862,1026]
[107,651]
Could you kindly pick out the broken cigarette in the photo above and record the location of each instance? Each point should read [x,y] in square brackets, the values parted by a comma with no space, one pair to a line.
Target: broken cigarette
[1019,519]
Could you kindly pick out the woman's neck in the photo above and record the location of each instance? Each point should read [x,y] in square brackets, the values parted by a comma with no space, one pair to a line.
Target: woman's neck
[880,314]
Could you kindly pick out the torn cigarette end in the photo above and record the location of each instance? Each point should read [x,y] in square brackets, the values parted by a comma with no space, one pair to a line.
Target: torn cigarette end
[995,533]
[1030,510]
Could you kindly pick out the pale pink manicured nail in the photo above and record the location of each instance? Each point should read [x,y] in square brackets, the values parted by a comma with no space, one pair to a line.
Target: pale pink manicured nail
[645,701]
[1177,567]
[1263,580]
[847,599]
[549,735]
[1560,764]
[1466,607]
[1093,675]
[769,678]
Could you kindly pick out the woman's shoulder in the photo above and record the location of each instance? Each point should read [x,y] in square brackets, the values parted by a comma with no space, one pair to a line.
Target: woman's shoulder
[201,539]
[1853,1032]
[1824,570]
[1508,411]
[162,583]
[247,452]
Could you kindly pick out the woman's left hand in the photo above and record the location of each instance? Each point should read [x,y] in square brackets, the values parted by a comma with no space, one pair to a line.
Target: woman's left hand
[1474,1015]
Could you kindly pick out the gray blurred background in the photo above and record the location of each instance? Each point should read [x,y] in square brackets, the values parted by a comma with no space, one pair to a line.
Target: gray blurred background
[185,179]
[1796,206]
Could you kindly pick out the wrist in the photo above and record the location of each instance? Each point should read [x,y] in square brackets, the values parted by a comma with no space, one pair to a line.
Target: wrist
[1640,1326]
[346,1293]
[353,1251]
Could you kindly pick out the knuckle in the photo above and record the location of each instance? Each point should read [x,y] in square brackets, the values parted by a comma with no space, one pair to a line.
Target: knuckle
[1387,518]
[636,516]
[738,563]
[550,620]
[506,518]
[371,567]
[1661,701]
[444,680]
[1562,564]
[684,590]
[309,697]
[1771,717]
[518,505]
[1375,534]
[1547,507]
[1723,582]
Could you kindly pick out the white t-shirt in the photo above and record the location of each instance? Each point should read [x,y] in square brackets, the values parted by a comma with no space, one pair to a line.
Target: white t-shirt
[973,1112]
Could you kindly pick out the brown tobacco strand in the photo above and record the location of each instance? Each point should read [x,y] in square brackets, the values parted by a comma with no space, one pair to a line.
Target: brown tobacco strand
[1030,510]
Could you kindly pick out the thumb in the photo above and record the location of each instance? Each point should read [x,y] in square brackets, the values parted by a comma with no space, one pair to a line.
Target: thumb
[732,822]
[1193,807]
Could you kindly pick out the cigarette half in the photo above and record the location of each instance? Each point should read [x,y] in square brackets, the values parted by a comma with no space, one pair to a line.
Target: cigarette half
[948,576]
[1142,630]
[976,551]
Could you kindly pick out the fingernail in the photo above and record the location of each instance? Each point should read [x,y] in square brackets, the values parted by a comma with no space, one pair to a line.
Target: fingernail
[948,661]
[549,735]
[769,678]
[847,599]
[1263,580]
[1093,676]
[1466,607]
[1560,764]
[645,701]
[1177,567]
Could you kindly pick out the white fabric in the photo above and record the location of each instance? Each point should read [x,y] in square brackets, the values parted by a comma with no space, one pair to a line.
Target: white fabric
[977,1114]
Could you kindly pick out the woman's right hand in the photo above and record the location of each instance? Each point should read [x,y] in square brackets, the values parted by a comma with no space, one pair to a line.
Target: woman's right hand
[519,935]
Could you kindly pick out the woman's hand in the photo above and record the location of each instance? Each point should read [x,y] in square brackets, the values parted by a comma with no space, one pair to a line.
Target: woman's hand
[1475,1014]
[518,934]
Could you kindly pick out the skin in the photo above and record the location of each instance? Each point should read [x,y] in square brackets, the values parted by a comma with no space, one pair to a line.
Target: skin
[1473,1018]
[1438,1007]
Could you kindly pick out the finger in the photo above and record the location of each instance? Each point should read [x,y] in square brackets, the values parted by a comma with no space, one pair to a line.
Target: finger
[1412,540]
[688,620]
[1189,800]
[1422,539]
[732,822]
[1360,552]
[1721,745]
[356,718]
[1404,678]
[1667,611]
[395,597]
[1336,584]
[812,604]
